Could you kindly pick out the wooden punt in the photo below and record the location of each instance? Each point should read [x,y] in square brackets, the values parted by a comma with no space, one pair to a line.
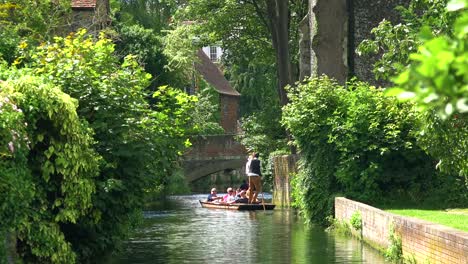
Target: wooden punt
[238,206]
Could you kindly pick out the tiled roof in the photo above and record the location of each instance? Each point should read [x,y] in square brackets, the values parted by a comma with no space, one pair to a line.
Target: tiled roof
[213,75]
[83,4]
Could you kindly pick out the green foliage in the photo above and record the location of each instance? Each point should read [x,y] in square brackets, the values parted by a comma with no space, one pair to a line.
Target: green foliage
[243,30]
[150,14]
[262,131]
[146,45]
[15,180]
[395,43]
[218,21]
[180,49]
[436,80]
[32,21]
[142,25]
[337,226]
[353,141]
[205,117]
[9,40]
[139,146]
[356,220]
[394,251]
[438,75]
[446,141]
[62,164]
[39,20]
[255,85]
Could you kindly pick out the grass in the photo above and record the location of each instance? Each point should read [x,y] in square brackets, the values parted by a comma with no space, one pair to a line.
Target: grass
[456,218]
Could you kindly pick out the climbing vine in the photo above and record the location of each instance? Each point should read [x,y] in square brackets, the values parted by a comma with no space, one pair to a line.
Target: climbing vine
[61,162]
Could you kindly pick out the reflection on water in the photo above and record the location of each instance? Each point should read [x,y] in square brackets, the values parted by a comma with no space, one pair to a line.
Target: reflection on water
[183,232]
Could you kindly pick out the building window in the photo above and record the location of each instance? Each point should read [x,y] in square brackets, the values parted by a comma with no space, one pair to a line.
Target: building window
[214,53]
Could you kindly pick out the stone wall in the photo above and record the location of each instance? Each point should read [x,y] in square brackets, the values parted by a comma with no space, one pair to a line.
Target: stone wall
[283,167]
[365,15]
[426,242]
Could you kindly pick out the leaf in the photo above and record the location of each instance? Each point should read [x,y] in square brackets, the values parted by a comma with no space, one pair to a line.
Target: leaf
[461,25]
[426,33]
[402,78]
[394,91]
[431,97]
[462,105]
[455,5]
[406,95]
[449,108]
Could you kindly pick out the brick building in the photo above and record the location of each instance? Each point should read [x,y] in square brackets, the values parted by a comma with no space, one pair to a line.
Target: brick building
[92,15]
[228,96]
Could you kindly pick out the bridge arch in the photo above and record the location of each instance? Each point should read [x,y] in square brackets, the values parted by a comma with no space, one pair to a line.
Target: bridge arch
[211,154]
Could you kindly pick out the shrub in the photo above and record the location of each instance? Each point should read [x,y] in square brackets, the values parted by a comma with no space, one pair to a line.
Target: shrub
[139,145]
[57,145]
[355,141]
[356,220]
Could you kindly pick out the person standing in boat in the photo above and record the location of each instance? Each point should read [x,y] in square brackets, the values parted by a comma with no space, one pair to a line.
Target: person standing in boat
[253,171]
[213,196]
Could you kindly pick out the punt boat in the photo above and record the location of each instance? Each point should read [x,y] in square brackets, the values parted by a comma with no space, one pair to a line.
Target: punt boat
[238,206]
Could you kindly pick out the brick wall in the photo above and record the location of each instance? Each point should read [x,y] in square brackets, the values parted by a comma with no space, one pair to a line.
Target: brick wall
[210,154]
[283,166]
[427,242]
[229,112]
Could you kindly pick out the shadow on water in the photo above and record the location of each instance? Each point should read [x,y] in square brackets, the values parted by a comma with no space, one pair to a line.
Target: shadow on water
[180,231]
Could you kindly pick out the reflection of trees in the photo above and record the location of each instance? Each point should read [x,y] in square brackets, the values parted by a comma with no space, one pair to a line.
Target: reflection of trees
[199,235]
[348,249]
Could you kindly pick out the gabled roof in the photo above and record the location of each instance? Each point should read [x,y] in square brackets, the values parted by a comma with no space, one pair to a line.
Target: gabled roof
[83,4]
[213,75]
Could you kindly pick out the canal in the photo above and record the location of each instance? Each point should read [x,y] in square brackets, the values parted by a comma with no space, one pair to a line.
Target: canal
[180,231]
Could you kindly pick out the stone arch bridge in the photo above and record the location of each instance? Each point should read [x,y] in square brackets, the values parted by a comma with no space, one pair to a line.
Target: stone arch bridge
[211,154]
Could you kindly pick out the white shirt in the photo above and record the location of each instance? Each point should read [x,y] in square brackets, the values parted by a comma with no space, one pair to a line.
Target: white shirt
[247,169]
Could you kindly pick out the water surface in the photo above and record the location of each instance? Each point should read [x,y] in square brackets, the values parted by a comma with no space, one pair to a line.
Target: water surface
[180,231]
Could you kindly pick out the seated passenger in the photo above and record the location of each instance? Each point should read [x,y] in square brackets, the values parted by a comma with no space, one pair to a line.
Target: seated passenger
[244,185]
[231,196]
[242,197]
[213,196]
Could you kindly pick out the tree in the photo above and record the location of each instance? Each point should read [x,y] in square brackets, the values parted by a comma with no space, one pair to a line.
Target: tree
[32,22]
[357,142]
[142,26]
[427,54]
[139,146]
[394,43]
[94,161]
[59,174]
[250,27]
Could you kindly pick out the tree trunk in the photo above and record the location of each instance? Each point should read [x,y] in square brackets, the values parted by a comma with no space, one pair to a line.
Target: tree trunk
[10,248]
[278,16]
[305,68]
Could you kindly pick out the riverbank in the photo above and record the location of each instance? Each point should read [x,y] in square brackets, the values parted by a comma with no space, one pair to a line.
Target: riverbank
[418,240]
